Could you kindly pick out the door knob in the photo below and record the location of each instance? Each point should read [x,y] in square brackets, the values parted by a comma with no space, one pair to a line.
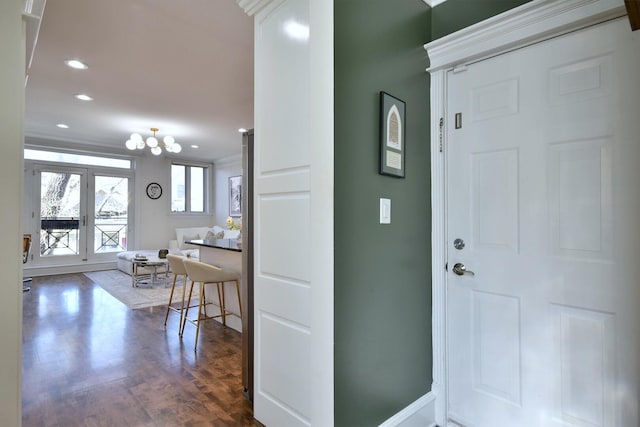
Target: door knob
[461,270]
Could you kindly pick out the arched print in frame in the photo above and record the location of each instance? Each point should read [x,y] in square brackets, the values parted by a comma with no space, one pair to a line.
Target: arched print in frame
[392,142]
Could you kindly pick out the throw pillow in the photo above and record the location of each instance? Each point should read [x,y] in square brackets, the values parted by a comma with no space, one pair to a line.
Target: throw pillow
[214,236]
[186,245]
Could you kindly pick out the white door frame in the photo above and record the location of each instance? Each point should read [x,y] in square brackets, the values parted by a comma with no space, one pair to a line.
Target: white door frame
[525,25]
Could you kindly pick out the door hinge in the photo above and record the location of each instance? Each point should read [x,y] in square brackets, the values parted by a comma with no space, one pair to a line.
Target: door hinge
[458,120]
[441,132]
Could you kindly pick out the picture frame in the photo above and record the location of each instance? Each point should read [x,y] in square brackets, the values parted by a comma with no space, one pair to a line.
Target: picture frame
[235,196]
[392,135]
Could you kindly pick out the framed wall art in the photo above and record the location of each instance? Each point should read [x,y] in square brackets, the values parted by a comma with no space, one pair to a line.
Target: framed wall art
[392,135]
[235,196]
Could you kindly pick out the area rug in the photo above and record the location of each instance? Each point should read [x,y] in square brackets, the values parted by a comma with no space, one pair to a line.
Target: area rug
[118,284]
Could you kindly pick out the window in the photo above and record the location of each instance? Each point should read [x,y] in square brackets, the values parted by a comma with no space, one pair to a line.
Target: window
[76,159]
[188,188]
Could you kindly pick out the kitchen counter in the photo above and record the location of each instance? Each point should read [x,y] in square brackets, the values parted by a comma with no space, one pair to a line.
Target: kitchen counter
[228,244]
[226,254]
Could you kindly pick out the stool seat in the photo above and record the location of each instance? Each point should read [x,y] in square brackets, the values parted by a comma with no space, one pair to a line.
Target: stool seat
[203,273]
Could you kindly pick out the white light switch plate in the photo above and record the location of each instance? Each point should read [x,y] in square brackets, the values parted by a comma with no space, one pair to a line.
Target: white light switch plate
[385,211]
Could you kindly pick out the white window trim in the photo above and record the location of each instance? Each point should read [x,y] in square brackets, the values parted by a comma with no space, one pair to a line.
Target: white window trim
[207,193]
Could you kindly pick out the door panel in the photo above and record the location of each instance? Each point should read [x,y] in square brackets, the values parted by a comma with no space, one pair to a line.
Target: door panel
[542,187]
[61,218]
[110,214]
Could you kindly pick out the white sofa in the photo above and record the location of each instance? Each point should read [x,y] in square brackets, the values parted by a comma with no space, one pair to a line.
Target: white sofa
[179,245]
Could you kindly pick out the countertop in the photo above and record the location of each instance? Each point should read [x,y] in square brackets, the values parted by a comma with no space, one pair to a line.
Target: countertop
[228,244]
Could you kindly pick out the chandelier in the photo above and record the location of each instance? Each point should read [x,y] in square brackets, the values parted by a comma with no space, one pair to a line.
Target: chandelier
[135,141]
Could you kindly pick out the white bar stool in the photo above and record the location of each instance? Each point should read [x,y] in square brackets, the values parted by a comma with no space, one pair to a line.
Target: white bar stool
[177,267]
[202,273]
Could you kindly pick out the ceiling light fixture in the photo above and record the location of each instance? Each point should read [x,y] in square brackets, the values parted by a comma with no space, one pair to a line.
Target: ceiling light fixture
[242,130]
[135,141]
[195,146]
[62,126]
[74,63]
[84,97]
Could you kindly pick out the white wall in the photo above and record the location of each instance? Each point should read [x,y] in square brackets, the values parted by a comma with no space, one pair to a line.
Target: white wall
[154,223]
[12,52]
[223,169]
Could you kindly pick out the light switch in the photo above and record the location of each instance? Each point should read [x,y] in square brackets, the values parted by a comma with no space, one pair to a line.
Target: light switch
[385,211]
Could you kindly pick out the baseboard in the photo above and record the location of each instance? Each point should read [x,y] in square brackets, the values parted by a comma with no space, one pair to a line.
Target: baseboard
[420,413]
[65,269]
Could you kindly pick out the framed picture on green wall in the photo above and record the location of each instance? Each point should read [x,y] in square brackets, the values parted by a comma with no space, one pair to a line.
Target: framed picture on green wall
[392,136]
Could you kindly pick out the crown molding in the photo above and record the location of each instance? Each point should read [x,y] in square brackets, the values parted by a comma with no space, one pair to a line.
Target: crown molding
[234,159]
[522,26]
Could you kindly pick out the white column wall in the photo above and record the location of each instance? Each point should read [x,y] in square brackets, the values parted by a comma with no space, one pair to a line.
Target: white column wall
[293,200]
[12,78]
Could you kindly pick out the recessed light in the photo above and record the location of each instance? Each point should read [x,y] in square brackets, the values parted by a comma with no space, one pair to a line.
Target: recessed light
[84,97]
[62,126]
[242,130]
[74,63]
[195,146]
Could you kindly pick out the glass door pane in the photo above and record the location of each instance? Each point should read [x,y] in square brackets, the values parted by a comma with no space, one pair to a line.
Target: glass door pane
[60,214]
[111,214]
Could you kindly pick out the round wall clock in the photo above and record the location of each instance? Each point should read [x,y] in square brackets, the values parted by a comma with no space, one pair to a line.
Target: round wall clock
[154,191]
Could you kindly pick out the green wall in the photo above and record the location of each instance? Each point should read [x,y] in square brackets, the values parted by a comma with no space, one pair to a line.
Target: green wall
[382,272]
[383,355]
[454,15]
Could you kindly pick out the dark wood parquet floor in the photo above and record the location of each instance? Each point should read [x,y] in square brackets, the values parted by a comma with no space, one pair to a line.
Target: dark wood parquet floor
[88,360]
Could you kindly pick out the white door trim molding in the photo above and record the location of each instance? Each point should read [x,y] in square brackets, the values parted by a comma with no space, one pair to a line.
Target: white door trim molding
[434,3]
[420,412]
[525,25]
[530,23]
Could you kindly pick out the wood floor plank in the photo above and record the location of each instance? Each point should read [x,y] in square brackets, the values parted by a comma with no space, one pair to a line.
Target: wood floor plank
[88,360]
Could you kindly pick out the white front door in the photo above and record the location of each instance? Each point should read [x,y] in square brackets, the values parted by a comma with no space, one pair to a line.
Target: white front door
[542,187]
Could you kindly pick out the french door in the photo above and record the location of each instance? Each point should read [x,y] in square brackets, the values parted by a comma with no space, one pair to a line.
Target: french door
[80,215]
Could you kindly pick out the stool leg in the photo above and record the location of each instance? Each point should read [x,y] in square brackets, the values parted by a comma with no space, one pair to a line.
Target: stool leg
[173,288]
[184,289]
[195,347]
[239,300]
[186,311]
[204,297]
[220,285]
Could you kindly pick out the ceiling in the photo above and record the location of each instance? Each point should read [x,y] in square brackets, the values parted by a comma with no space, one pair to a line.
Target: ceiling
[185,67]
